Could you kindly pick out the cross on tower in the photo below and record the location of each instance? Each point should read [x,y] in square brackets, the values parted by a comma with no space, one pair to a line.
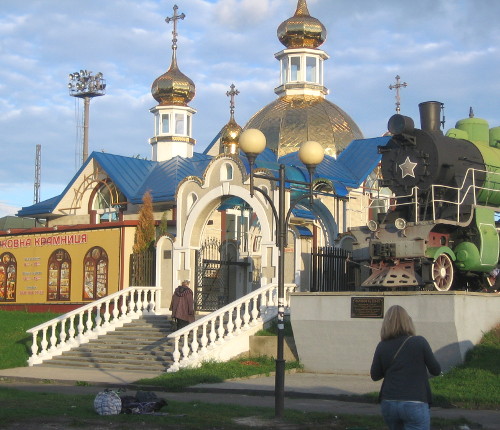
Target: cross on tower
[234,92]
[175,18]
[397,86]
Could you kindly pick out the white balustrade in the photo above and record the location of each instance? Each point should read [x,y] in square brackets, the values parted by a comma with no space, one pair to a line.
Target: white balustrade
[90,323]
[225,323]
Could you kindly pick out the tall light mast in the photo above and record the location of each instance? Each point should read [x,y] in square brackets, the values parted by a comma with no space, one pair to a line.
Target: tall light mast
[38,173]
[86,86]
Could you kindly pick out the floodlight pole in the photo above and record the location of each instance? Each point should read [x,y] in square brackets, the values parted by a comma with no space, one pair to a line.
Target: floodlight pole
[85,85]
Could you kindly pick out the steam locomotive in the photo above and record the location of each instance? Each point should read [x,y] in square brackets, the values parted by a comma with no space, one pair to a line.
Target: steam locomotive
[439,230]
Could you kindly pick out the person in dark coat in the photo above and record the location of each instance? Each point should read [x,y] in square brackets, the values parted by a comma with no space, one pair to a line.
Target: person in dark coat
[403,359]
[182,305]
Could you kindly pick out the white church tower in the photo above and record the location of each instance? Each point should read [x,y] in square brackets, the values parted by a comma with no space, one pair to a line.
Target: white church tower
[173,117]
[301,62]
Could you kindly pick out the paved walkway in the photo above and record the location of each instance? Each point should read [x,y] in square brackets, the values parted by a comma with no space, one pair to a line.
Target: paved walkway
[303,391]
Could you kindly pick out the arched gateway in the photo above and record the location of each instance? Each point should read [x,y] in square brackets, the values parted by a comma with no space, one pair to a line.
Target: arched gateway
[225,241]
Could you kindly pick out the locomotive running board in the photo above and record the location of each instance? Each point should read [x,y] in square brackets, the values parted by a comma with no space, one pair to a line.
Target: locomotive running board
[399,275]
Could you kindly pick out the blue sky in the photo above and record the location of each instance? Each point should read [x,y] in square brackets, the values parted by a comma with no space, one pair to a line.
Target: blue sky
[446,50]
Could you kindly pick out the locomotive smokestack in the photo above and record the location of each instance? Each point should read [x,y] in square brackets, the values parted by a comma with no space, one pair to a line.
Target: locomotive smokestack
[430,116]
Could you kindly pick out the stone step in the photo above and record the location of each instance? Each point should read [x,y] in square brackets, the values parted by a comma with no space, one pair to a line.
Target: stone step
[141,345]
[125,347]
[104,353]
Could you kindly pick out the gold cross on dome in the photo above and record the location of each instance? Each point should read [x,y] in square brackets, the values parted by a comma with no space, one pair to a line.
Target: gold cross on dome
[175,18]
[234,92]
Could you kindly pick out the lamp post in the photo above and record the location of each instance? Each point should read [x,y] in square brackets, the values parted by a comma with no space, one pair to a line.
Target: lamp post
[85,85]
[252,142]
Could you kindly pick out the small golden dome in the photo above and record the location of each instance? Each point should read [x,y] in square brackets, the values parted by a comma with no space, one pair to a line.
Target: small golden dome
[302,30]
[173,87]
[230,133]
[230,136]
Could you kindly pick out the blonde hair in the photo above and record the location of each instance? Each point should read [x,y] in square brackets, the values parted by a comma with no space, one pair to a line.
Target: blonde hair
[396,323]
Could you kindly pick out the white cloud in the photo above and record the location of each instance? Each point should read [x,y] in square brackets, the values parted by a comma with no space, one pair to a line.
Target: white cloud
[444,49]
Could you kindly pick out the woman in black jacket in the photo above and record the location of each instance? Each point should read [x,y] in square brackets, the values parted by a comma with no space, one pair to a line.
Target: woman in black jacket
[403,359]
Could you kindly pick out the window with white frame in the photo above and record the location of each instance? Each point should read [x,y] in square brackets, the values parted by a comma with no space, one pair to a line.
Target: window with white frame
[180,123]
[165,123]
[294,68]
[188,125]
[226,173]
[311,69]
[284,69]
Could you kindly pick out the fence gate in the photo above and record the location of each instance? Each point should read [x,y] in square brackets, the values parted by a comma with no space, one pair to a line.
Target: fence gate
[143,268]
[331,270]
[215,273]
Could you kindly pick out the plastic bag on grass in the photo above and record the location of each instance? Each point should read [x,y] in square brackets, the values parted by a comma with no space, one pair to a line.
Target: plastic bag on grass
[107,402]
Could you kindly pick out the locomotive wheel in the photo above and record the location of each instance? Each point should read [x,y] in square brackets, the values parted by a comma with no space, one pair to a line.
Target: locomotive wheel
[442,273]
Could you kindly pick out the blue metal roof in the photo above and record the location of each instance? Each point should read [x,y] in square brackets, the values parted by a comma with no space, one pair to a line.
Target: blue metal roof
[128,173]
[41,208]
[163,180]
[303,231]
[135,176]
[301,211]
[361,157]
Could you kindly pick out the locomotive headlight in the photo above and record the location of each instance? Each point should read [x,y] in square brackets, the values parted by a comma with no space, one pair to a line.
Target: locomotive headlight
[399,124]
[372,225]
[400,223]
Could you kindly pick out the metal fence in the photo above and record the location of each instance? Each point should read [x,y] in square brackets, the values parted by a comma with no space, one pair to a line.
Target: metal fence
[331,270]
[143,268]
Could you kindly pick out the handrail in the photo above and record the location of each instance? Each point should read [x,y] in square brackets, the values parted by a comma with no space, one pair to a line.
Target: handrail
[89,321]
[467,188]
[260,305]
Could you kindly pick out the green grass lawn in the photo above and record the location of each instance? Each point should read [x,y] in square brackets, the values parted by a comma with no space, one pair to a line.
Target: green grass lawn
[475,384]
[15,343]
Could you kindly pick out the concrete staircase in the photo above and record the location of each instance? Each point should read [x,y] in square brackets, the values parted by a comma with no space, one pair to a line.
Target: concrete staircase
[141,345]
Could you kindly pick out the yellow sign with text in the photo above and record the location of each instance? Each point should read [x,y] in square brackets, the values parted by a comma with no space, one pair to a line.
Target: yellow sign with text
[60,266]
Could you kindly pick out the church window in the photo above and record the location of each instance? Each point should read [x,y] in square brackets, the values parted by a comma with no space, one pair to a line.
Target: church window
[8,277]
[106,202]
[59,276]
[165,123]
[188,118]
[95,274]
[226,173]
[284,62]
[179,123]
[294,68]
[311,69]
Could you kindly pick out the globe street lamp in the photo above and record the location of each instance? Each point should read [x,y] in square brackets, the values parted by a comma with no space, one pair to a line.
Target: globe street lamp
[252,142]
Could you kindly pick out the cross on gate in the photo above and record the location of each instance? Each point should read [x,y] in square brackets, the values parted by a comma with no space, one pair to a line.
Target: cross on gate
[397,86]
[175,18]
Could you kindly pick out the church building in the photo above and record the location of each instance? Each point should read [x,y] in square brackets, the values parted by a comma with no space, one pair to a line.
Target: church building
[210,228]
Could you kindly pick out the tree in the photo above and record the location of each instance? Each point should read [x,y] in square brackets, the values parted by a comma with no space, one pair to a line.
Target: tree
[163,227]
[145,231]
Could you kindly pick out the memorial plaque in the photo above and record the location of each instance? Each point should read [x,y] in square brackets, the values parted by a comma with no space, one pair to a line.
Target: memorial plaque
[367,307]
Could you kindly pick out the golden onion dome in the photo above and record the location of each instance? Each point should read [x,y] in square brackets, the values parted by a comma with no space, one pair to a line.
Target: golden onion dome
[173,87]
[230,135]
[291,120]
[302,30]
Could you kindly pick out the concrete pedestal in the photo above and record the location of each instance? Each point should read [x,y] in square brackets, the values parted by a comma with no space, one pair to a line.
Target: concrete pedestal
[330,339]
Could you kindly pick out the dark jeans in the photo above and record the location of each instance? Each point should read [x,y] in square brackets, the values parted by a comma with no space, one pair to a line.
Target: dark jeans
[400,415]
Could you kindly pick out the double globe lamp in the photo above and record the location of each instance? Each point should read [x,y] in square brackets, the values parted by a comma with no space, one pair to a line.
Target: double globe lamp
[253,142]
